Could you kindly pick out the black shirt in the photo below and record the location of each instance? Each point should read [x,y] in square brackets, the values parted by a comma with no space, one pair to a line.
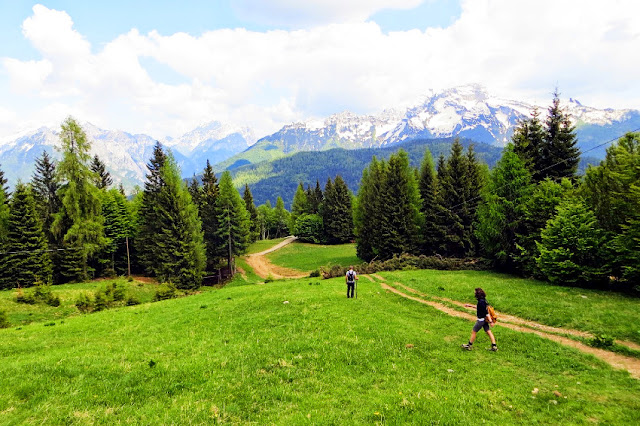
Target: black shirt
[482,309]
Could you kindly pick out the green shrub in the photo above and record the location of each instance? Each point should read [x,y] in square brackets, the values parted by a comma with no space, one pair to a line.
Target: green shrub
[309,228]
[315,273]
[27,298]
[601,341]
[4,321]
[41,293]
[269,279]
[132,300]
[100,302]
[84,303]
[165,291]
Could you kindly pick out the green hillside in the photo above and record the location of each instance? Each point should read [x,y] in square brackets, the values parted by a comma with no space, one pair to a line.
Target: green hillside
[242,355]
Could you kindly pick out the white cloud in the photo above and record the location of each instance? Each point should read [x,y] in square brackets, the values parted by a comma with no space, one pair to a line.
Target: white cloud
[302,13]
[267,79]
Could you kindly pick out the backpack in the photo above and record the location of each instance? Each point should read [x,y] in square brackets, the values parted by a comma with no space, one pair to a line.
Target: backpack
[491,313]
[351,276]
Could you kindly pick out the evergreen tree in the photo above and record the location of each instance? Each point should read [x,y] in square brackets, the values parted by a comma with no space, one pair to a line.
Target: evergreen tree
[234,223]
[571,247]
[79,220]
[195,190]
[528,141]
[400,209]
[121,189]
[266,220]
[560,155]
[454,183]
[367,217]
[45,192]
[118,226]
[431,207]
[315,198]
[299,205]
[337,216]
[502,215]
[254,227]
[280,219]
[178,241]
[147,213]
[4,218]
[210,211]
[103,177]
[27,261]
[3,185]
[473,199]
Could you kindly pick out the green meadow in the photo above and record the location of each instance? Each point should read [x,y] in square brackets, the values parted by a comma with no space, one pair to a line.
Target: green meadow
[241,354]
[308,257]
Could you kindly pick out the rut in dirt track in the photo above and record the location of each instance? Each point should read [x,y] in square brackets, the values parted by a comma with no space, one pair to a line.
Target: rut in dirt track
[632,365]
[263,267]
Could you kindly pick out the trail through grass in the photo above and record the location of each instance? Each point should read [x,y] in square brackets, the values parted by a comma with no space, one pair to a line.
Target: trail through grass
[308,257]
[241,354]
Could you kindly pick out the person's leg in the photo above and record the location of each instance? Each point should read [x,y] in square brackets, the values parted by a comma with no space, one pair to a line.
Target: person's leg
[473,336]
[474,332]
[492,337]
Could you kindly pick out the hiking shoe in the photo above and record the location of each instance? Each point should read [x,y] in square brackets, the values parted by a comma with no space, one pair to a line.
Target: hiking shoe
[493,349]
[466,346]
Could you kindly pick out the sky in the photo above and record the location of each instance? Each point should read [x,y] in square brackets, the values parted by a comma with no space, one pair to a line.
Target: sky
[163,68]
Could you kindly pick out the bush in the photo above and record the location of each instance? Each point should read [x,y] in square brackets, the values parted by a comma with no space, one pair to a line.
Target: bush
[4,321]
[601,341]
[165,291]
[408,261]
[27,298]
[84,303]
[132,300]
[314,274]
[41,293]
[100,302]
[114,292]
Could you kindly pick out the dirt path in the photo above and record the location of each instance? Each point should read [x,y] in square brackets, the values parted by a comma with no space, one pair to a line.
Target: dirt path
[632,365]
[263,266]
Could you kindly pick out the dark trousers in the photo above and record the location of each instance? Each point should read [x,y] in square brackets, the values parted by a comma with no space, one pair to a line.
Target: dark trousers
[350,288]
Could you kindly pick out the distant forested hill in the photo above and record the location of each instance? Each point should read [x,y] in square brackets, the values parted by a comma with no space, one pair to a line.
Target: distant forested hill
[280,177]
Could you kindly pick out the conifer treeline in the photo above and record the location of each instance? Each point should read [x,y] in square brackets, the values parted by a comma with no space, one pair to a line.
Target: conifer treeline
[68,224]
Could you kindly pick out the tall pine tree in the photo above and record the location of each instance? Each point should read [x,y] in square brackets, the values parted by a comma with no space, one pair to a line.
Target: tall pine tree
[431,207]
[254,226]
[27,262]
[453,180]
[299,205]
[528,141]
[233,221]
[45,192]
[367,217]
[102,176]
[337,216]
[560,153]
[210,210]
[79,220]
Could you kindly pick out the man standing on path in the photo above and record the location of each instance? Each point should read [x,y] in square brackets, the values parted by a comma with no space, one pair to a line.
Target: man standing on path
[484,321]
[351,278]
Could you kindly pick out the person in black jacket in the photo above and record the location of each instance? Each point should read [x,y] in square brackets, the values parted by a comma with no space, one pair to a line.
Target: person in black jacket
[484,321]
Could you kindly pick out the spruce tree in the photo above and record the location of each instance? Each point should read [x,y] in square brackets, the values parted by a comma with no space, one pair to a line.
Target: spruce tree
[253,214]
[315,198]
[280,219]
[27,262]
[431,207]
[103,177]
[195,190]
[367,217]
[299,205]
[79,221]
[118,226]
[560,155]
[210,211]
[454,183]
[501,217]
[3,185]
[337,216]
[147,213]
[4,218]
[473,200]
[45,192]
[400,216]
[528,142]
[178,241]
[234,222]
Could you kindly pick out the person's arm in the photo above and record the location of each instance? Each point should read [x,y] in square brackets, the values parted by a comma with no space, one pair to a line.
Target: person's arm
[469,305]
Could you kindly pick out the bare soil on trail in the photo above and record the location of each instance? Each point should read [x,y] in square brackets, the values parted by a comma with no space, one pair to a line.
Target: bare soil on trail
[264,268]
[631,364]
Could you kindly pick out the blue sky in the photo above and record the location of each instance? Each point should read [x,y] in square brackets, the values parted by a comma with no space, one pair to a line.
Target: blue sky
[162,68]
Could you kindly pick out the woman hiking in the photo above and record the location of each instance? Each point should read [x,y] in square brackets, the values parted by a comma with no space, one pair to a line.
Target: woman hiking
[484,321]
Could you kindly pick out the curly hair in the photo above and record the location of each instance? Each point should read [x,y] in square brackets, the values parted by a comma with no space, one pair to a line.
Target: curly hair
[480,294]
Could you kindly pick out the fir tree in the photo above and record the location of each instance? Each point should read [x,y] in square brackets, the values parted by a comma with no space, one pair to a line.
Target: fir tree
[4,218]
[528,142]
[299,205]
[431,207]
[560,155]
[195,190]
[337,216]
[501,217]
[79,220]
[210,211]
[454,183]
[253,214]
[3,185]
[315,198]
[473,199]
[103,177]
[400,209]
[367,218]
[147,213]
[27,262]
[45,192]
[178,241]
[233,220]
[280,219]
[118,226]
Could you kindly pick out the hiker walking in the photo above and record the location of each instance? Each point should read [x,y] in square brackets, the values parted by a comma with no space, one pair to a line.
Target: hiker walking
[484,321]
[351,277]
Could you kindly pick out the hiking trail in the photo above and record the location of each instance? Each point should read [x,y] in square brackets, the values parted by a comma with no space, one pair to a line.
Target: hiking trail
[631,364]
[263,267]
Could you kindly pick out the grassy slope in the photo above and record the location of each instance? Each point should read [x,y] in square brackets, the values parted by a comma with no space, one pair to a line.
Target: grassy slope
[262,245]
[308,257]
[599,312]
[20,313]
[242,355]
